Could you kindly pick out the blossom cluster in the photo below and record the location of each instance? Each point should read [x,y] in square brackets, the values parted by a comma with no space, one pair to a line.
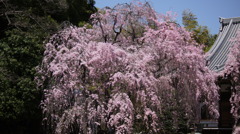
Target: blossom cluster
[232,71]
[121,75]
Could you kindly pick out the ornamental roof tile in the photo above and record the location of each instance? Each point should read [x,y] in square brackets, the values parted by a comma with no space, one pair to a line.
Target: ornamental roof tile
[217,55]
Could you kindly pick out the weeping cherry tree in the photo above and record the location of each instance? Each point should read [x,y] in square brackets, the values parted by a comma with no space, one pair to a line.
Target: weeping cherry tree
[126,74]
[232,71]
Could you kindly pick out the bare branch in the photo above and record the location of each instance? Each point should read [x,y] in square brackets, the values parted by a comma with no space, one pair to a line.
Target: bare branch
[103,34]
[114,29]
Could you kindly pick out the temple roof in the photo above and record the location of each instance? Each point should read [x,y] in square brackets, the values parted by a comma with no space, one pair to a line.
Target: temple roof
[217,55]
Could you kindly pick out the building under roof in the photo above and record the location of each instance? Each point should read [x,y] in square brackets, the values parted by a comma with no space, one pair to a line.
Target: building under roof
[217,57]
[218,54]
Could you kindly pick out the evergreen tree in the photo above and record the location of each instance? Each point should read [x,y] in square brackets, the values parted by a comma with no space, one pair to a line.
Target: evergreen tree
[25,25]
[200,33]
[189,20]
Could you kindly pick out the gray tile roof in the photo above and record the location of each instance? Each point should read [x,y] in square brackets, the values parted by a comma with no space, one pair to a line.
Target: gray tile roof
[217,55]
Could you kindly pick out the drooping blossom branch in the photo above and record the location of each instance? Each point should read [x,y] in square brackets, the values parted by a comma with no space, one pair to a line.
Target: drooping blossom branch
[124,74]
[232,71]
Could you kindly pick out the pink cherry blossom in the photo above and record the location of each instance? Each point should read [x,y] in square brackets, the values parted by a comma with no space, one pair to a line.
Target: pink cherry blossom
[123,74]
[232,71]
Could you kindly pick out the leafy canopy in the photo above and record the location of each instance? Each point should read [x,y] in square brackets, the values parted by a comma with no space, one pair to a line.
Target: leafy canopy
[25,25]
[200,33]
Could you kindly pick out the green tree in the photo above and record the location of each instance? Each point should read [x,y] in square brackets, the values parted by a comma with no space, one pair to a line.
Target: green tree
[19,107]
[200,33]
[80,10]
[25,25]
[189,20]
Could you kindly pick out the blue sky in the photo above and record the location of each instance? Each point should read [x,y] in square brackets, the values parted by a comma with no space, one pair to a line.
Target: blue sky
[207,11]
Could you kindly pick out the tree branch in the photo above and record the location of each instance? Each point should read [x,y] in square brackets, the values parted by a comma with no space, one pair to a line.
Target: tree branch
[114,29]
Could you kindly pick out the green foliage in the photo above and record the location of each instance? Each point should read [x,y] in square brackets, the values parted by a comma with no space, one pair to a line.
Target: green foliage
[189,20]
[83,23]
[80,10]
[200,33]
[211,41]
[21,53]
[23,30]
